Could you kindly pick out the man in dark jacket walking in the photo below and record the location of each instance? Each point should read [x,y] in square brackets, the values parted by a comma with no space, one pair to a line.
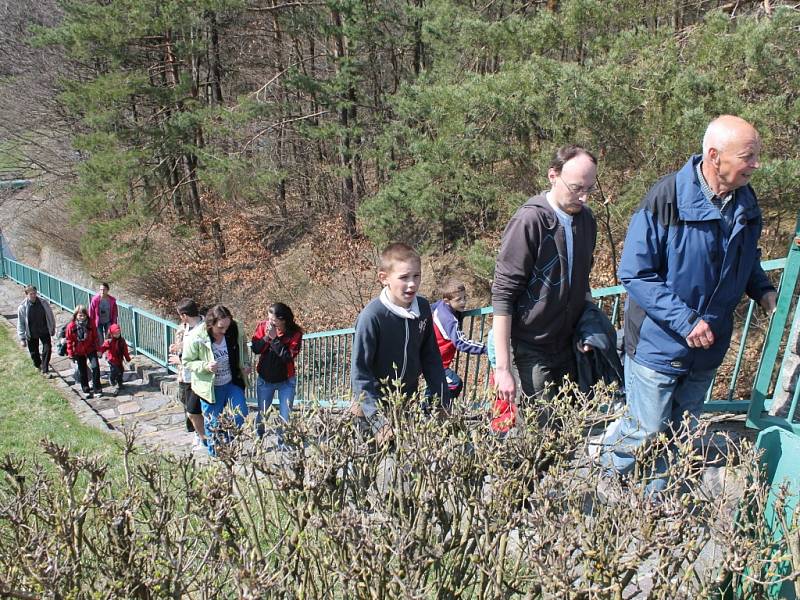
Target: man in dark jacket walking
[690,253]
[541,278]
[36,324]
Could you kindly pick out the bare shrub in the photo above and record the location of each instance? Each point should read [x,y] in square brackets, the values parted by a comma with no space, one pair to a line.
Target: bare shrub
[444,510]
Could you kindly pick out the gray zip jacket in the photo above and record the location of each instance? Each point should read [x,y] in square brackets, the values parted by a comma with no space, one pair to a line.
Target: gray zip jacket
[22,319]
[530,280]
[388,347]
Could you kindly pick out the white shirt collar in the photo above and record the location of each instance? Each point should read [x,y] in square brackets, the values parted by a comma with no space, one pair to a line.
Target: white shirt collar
[412,312]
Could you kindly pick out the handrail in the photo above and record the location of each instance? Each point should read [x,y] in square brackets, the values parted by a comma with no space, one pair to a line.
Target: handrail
[323,367]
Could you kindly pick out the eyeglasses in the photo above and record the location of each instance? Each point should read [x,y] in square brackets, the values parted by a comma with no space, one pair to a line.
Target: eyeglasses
[578,190]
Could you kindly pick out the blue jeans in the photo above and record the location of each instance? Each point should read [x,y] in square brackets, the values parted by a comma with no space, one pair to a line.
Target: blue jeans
[454,384]
[655,403]
[102,331]
[231,395]
[266,393]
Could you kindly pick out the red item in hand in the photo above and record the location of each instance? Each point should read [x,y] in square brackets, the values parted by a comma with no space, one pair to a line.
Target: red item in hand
[504,415]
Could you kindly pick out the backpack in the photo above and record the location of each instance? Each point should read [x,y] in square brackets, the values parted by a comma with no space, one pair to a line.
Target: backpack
[61,344]
[272,368]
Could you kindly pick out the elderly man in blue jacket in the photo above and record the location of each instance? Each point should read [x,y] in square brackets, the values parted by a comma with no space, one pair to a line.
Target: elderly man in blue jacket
[690,253]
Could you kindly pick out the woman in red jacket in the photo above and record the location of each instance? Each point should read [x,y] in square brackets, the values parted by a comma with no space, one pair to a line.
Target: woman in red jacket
[82,344]
[277,341]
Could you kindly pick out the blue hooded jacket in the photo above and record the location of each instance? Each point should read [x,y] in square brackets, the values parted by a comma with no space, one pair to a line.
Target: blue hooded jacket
[677,269]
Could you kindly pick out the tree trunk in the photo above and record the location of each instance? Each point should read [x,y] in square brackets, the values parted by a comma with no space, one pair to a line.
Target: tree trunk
[214,60]
[348,192]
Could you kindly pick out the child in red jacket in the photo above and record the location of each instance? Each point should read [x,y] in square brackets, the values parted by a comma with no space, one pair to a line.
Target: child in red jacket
[82,346]
[116,350]
[447,316]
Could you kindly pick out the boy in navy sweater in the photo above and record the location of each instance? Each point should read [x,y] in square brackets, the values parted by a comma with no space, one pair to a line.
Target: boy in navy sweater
[394,341]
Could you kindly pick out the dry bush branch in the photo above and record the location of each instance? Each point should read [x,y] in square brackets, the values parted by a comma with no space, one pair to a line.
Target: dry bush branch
[445,510]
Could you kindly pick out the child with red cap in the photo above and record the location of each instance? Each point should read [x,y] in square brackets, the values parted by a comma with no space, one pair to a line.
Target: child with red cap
[116,349]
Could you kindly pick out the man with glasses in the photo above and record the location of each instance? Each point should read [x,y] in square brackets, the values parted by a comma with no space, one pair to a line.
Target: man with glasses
[541,280]
[690,252]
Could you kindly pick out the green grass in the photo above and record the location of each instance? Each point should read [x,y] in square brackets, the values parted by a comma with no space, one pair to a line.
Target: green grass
[33,410]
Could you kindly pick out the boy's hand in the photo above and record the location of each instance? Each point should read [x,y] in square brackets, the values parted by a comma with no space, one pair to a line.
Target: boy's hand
[272,333]
[384,435]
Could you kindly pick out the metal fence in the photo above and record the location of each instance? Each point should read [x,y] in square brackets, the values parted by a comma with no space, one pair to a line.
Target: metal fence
[323,366]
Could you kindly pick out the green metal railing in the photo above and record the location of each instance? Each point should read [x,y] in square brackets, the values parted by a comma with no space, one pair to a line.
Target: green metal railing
[771,372]
[323,367]
[148,334]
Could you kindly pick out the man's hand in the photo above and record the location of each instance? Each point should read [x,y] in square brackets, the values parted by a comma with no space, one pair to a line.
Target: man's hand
[769,302]
[23,343]
[701,336]
[505,384]
[582,347]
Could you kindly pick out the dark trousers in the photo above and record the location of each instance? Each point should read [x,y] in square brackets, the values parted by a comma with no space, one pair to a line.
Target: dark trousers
[83,371]
[541,371]
[42,361]
[116,374]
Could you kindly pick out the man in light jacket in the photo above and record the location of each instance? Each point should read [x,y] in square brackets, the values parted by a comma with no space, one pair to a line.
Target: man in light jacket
[36,324]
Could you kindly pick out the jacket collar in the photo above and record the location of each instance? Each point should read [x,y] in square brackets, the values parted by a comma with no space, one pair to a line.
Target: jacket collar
[692,203]
[412,312]
[540,201]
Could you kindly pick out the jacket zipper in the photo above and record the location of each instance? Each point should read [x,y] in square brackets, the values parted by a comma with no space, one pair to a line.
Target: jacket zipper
[405,351]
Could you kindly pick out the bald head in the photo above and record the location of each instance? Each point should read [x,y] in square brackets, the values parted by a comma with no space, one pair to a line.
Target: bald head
[725,129]
[731,148]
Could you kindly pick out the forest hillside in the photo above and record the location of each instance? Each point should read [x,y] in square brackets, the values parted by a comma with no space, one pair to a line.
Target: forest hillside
[250,151]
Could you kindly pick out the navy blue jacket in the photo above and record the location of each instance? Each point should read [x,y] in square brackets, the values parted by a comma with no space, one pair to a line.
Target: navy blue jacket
[388,348]
[676,270]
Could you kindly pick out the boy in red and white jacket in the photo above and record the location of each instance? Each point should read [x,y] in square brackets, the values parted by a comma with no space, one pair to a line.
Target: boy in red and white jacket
[116,350]
[449,337]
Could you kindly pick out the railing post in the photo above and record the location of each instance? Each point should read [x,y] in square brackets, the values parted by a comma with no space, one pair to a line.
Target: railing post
[166,345]
[135,331]
[774,337]
[2,257]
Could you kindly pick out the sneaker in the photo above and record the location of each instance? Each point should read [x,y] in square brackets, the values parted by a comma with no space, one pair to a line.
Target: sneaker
[115,391]
[89,395]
